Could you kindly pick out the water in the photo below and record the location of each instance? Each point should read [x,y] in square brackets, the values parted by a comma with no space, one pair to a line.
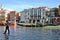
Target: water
[31,33]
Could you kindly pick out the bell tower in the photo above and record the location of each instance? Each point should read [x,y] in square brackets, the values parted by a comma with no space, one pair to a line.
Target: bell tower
[1,7]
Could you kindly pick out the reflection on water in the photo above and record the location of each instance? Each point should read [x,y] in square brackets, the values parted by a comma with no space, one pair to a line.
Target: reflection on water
[56,34]
[6,36]
[30,33]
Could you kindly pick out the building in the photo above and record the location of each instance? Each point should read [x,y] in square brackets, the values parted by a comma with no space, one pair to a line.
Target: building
[24,16]
[55,10]
[35,15]
[3,14]
[13,15]
[54,16]
[59,10]
[51,15]
[8,15]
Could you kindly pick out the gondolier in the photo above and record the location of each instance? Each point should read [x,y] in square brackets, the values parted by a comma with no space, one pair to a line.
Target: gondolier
[7,27]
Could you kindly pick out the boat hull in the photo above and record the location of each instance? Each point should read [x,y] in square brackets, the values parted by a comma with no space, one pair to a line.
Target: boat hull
[31,25]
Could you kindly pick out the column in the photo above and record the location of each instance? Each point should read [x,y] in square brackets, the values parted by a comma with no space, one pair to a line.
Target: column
[33,15]
[37,13]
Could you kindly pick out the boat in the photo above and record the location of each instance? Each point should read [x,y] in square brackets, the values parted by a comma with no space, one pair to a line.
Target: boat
[30,25]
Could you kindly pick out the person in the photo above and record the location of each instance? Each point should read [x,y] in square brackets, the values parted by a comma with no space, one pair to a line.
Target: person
[7,27]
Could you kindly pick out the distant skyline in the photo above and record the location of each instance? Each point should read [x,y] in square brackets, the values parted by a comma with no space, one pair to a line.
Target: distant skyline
[20,5]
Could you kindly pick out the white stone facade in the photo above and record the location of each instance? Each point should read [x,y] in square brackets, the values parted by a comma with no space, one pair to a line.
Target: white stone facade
[35,15]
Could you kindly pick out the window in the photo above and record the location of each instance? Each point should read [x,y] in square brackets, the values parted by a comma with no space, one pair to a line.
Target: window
[38,20]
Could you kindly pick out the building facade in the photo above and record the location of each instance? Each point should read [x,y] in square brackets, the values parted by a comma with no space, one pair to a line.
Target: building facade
[8,15]
[59,10]
[3,14]
[14,15]
[35,15]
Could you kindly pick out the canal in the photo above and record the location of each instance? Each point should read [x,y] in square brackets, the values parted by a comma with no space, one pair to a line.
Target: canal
[31,33]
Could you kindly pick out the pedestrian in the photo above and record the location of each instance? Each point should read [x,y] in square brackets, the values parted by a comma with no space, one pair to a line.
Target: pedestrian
[7,27]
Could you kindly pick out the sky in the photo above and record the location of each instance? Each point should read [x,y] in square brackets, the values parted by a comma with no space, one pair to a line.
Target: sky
[20,5]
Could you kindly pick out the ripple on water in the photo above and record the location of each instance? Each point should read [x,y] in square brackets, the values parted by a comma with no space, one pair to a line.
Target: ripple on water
[31,33]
